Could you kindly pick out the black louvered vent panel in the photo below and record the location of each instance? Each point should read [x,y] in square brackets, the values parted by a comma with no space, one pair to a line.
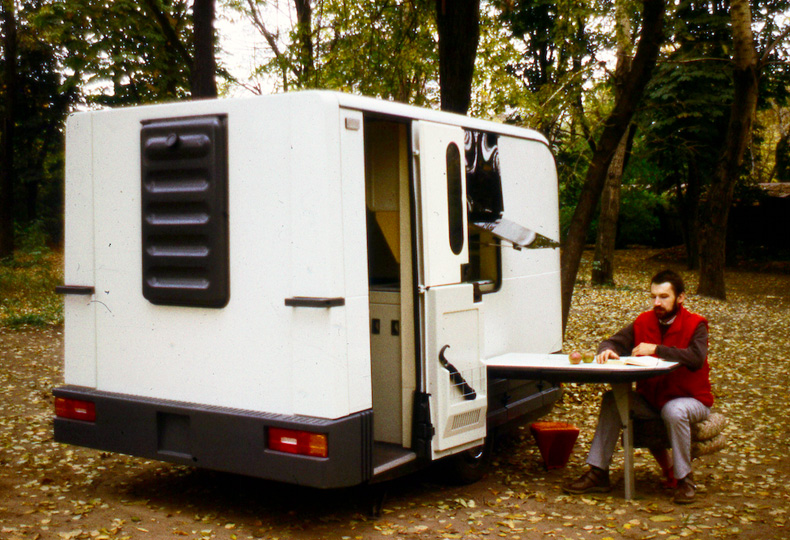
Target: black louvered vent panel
[185,211]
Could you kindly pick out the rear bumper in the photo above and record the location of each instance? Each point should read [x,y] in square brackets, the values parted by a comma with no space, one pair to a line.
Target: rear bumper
[218,438]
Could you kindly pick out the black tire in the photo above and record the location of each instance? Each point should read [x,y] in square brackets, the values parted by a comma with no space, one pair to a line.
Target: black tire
[467,467]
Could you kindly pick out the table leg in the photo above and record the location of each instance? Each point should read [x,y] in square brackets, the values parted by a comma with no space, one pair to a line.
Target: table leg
[622,396]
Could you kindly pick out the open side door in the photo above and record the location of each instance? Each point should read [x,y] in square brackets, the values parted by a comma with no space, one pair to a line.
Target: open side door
[451,324]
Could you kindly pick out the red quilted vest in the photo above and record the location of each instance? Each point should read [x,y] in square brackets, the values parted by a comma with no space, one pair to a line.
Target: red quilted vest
[681,382]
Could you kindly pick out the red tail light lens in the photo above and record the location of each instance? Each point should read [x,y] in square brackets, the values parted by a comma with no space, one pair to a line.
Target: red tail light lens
[75,409]
[298,442]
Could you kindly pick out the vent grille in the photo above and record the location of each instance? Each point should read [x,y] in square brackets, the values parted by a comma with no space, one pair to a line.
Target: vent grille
[185,211]
[466,419]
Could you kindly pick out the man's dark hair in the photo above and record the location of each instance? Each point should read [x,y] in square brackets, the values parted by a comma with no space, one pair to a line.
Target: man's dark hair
[671,277]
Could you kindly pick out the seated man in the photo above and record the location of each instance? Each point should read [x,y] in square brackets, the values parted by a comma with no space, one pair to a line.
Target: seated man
[680,398]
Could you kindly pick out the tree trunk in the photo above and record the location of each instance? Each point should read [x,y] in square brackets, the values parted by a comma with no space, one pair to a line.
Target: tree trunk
[615,126]
[693,193]
[781,169]
[304,35]
[603,261]
[458,24]
[688,211]
[715,211]
[204,67]
[7,174]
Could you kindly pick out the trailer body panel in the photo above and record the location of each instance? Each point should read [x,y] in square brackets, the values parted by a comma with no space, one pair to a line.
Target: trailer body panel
[315,265]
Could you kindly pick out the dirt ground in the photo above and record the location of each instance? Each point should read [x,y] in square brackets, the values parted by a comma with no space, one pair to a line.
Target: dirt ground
[51,491]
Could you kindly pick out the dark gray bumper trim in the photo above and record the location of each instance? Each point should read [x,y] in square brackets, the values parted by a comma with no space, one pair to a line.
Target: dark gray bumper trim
[223,439]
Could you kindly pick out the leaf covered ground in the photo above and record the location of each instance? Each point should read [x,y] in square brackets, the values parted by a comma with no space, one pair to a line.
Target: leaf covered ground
[27,288]
[50,491]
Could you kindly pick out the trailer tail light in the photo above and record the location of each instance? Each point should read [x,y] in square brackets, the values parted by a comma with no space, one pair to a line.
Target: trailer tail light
[75,409]
[292,441]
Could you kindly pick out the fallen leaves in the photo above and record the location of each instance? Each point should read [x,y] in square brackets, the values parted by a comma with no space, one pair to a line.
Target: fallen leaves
[661,518]
[27,289]
[55,492]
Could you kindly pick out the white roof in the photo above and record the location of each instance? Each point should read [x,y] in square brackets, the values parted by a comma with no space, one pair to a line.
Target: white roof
[365,104]
[392,108]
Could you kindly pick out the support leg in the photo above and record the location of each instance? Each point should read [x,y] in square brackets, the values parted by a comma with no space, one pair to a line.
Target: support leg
[622,398]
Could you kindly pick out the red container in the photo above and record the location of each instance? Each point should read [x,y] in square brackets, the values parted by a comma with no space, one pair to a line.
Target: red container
[555,441]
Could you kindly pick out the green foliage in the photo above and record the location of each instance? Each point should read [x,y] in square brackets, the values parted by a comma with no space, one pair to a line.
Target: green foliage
[27,287]
[94,52]
[544,64]
[495,92]
[688,103]
[380,48]
[771,19]
[556,46]
[640,217]
[644,206]
[33,240]
[554,35]
[685,116]
[399,49]
[117,52]
[44,99]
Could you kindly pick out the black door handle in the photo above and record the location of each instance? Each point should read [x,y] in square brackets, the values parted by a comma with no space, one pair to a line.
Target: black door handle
[458,379]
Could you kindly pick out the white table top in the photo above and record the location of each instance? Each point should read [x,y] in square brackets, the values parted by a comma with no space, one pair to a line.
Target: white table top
[557,367]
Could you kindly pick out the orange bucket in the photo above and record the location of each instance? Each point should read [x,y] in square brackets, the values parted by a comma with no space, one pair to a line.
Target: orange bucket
[555,441]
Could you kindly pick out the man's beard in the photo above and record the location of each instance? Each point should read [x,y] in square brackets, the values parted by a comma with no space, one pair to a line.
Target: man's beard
[663,314]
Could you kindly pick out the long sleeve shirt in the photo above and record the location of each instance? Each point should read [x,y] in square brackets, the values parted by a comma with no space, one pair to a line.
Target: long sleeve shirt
[692,357]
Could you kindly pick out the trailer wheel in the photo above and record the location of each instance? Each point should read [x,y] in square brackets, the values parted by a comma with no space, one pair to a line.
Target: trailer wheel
[469,466]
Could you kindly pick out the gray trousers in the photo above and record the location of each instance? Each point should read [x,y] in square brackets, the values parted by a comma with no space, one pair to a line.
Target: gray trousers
[678,415]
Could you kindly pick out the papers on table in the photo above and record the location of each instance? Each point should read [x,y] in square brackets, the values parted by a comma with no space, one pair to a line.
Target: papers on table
[643,361]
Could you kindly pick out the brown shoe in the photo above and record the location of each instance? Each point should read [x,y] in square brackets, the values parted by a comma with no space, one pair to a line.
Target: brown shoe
[594,480]
[685,492]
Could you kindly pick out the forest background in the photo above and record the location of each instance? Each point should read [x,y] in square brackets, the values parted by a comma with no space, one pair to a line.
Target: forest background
[666,119]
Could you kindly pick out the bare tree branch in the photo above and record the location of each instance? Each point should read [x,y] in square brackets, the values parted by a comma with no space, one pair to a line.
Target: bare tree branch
[772,46]
[693,61]
[271,39]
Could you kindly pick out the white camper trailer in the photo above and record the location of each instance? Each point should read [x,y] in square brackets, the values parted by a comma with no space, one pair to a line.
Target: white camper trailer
[303,287]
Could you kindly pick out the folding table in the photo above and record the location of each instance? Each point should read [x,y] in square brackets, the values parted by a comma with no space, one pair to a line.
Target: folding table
[557,368]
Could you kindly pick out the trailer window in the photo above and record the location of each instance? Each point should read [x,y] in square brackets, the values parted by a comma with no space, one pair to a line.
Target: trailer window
[484,205]
[485,260]
[483,177]
[455,202]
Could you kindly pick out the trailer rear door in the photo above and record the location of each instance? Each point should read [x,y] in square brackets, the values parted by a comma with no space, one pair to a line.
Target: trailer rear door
[451,323]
